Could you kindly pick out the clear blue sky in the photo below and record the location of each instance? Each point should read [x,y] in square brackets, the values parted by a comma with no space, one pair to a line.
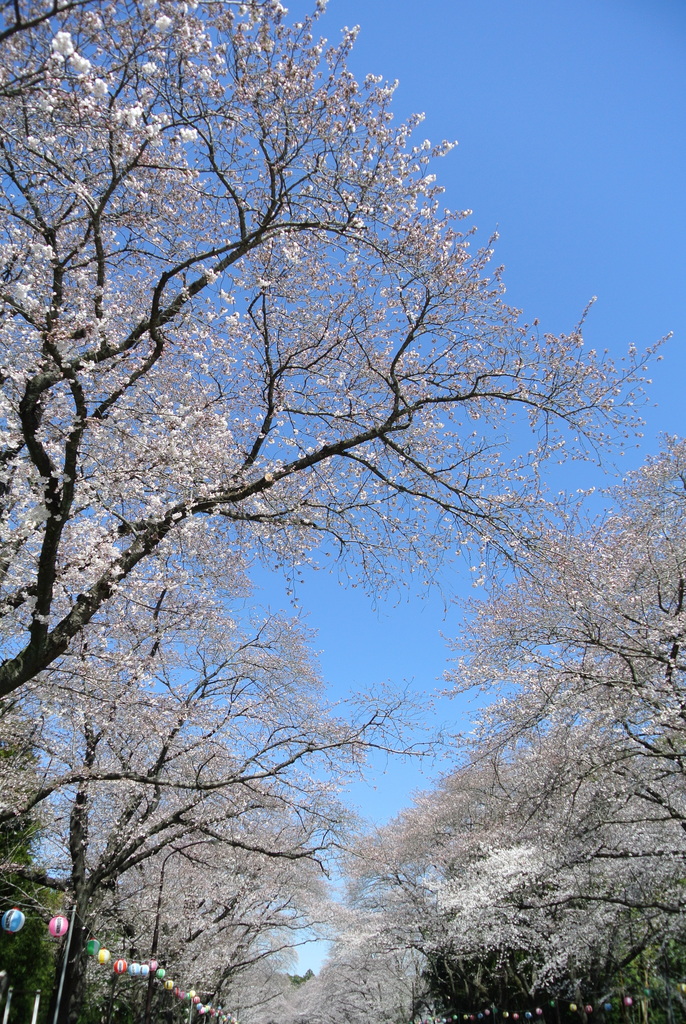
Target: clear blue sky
[570,117]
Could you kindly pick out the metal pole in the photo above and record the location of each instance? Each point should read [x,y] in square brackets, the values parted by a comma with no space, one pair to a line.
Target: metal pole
[36,1004]
[64,965]
[6,1014]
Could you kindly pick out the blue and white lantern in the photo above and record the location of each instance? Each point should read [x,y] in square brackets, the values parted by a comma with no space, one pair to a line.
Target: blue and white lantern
[13,920]
[134,970]
[145,970]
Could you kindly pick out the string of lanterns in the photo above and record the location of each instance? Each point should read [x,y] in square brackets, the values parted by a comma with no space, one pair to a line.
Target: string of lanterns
[13,921]
[489,1014]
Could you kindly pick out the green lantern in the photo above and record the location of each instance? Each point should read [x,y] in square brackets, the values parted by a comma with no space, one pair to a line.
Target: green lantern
[93,947]
[160,972]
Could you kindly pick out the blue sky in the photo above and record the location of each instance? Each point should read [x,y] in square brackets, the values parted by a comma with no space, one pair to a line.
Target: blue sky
[570,118]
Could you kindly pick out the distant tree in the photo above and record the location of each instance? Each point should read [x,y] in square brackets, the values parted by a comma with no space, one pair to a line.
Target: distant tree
[300,979]
[235,320]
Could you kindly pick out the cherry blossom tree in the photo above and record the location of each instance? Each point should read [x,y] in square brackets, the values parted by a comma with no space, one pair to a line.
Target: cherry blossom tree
[225,921]
[237,324]
[590,641]
[225,746]
[522,879]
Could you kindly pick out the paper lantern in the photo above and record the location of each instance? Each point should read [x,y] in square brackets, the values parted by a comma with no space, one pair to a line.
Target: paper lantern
[628,1001]
[528,1015]
[103,956]
[93,947]
[160,973]
[573,1007]
[152,964]
[58,926]
[145,970]
[169,984]
[196,999]
[119,966]
[505,1014]
[539,1011]
[134,969]
[682,986]
[588,1008]
[13,920]
[515,1016]
[607,1007]
[191,993]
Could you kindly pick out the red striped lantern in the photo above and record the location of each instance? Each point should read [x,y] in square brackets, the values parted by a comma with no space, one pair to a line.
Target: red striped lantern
[119,966]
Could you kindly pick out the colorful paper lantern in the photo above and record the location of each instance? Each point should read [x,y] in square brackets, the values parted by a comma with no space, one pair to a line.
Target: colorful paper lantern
[119,966]
[573,1007]
[13,920]
[169,984]
[191,993]
[134,969]
[628,1001]
[145,970]
[505,1014]
[196,999]
[93,947]
[528,1014]
[588,1008]
[515,1016]
[103,956]
[539,1011]
[152,964]
[58,926]
[607,1007]
[160,973]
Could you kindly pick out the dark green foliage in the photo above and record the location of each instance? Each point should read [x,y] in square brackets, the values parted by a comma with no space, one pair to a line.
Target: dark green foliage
[28,956]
